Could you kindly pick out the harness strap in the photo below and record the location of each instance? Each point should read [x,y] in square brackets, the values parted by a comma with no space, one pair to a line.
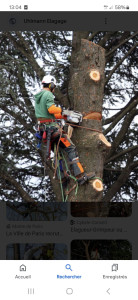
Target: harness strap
[46,120]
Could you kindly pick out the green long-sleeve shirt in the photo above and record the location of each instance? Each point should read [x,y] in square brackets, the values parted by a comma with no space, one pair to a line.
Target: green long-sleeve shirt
[43,100]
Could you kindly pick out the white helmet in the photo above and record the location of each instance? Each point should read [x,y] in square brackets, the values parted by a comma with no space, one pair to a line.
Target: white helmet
[49,79]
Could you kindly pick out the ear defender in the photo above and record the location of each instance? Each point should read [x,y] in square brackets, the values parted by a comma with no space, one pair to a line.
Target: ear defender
[51,86]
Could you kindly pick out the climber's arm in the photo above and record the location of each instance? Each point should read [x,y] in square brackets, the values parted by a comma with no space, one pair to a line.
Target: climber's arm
[56,111]
[53,109]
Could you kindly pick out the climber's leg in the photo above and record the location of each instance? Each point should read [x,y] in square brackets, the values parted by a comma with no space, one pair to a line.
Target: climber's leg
[70,149]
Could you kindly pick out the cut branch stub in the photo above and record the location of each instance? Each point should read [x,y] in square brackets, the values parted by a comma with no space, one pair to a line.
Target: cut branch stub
[93,115]
[95,75]
[104,140]
[70,131]
[97,185]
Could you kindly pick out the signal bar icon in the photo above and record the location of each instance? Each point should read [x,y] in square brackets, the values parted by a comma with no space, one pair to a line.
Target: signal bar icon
[30,291]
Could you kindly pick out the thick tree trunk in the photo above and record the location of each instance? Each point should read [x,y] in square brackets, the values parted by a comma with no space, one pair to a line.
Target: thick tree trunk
[86,88]
[85,91]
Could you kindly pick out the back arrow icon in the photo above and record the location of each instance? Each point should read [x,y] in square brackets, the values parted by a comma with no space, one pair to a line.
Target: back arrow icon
[108,291]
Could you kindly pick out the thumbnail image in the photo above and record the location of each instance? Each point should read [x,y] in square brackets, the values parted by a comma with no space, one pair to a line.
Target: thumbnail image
[101,209]
[36,252]
[101,250]
[36,211]
[68,116]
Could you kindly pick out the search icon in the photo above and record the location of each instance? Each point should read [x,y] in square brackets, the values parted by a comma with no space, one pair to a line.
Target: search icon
[68,267]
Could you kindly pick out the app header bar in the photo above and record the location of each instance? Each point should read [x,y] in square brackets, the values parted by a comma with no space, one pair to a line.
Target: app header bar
[68,21]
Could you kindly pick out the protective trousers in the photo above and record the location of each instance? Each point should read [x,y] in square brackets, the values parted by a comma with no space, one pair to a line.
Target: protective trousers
[67,145]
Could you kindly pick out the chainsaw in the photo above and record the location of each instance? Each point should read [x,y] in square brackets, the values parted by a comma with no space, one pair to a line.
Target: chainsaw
[72,116]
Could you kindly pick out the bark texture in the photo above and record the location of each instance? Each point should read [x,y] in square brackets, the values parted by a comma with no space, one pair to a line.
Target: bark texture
[86,95]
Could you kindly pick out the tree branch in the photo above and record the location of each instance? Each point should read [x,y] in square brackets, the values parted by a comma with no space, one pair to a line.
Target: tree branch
[20,119]
[115,188]
[121,43]
[125,109]
[92,35]
[24,195]
[121,153]
[119,63]
[67,42]
[120,115]
[24,48]
[123,131]
[25,95]
[105,38]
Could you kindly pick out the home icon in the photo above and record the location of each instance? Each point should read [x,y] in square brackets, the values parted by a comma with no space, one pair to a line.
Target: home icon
[23,268]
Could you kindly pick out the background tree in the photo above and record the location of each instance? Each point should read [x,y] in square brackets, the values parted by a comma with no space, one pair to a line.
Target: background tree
[25,58]
[40,211]
[40,251]
[101,249]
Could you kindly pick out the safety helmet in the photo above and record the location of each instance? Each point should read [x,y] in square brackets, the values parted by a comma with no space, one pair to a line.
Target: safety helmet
[48,79]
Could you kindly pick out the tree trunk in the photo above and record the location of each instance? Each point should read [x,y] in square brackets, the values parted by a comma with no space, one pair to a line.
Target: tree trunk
[16,249]
[86,245]
[86,88]
[85,91]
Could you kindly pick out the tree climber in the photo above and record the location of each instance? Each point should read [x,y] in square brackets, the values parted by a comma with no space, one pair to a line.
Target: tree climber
[48,114]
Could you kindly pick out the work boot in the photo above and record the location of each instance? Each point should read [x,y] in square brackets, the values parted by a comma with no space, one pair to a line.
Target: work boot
[84,178]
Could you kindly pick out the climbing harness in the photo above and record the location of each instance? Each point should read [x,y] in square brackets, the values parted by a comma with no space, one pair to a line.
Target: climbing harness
[47,135]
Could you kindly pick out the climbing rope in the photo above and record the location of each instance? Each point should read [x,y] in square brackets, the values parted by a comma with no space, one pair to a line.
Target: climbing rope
[60,180]
[67,173]
[45,178]
[70,176]
[87,128]
[57,148]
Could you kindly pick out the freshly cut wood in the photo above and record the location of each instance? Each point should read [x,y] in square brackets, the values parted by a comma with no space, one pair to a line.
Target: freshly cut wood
[70,131]
[93,115]
[95,75]
[104,140]
[97,185]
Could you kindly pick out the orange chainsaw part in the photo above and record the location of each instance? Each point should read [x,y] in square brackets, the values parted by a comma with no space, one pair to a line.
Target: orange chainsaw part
[65,142]
[80,167]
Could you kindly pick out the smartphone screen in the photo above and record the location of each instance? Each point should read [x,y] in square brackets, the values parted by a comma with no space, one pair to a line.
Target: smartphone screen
[68,159]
